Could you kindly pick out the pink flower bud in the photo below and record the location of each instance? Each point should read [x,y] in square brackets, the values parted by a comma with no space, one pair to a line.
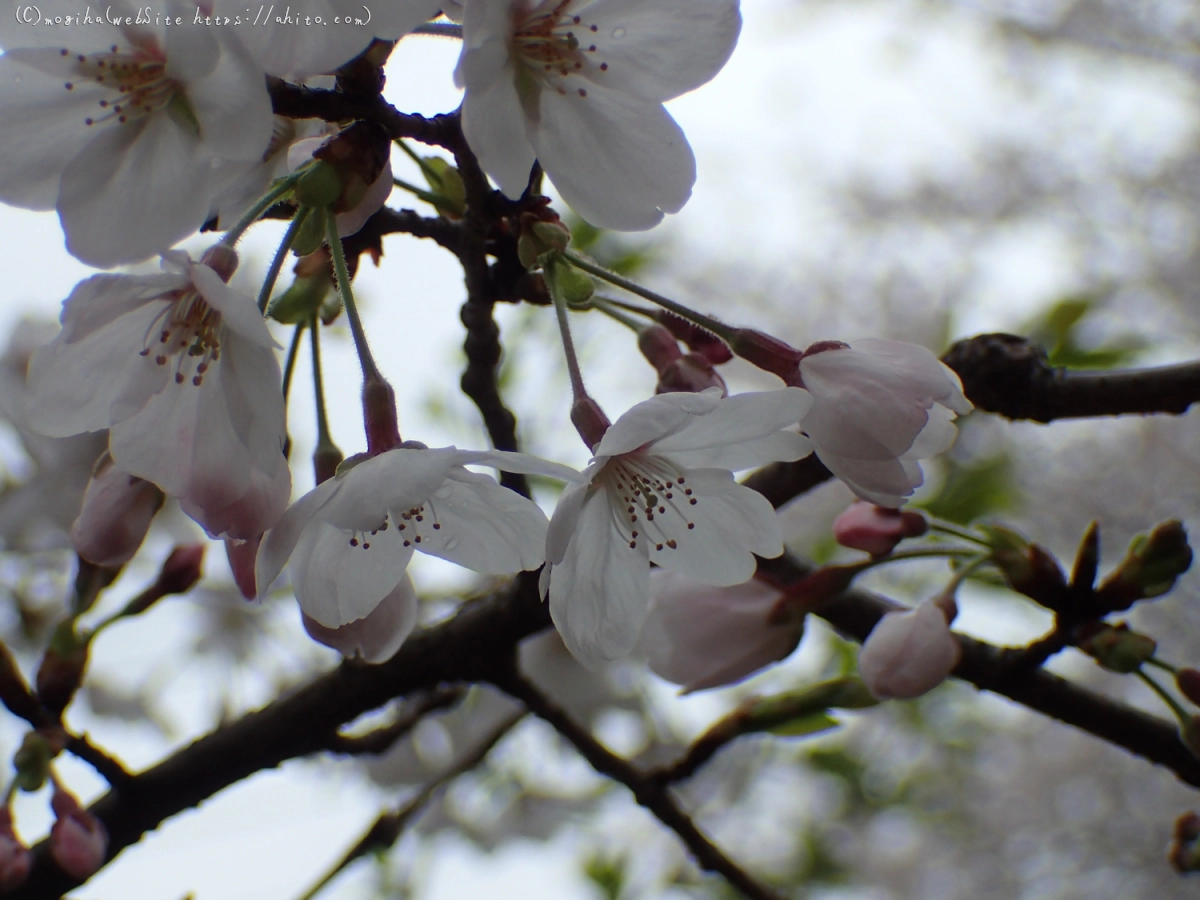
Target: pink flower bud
[242,555]
[376,637]
[909,653]
[702,637]
[659,346]
[876,529]
[116,514]
[78,840]
[698,339]
[691,373]
[15,858]
[222,260]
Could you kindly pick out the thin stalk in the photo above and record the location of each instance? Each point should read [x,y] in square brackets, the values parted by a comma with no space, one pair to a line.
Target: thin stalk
[370,370]
[1182,714]
[264,295]
[435,200]
[319,385]
[578,391]
[1160,664]
[720,329]
[963,574]
[949,528]
[440,29]
[290,365]
[234,234]
[613,313]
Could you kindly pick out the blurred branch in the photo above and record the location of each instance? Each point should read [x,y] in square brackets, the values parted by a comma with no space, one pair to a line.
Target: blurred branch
[647,791]
[107,767]
[386,829]
[381,739]
[1006,374]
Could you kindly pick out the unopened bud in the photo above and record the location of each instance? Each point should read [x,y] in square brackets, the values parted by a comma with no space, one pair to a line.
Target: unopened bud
[181,569]
[1185,844]
[1027,568]
[1118,649]
[15,858]
[62,668]
[691,373]
[358,155]
[876,529]
[569,283]
[116,514]
[1187,680]
[320,186]
[540,236]
[32,761]
[698,339]
[1151,566]
[768,353]
[379,415]
[242,556]
[221,259]
[590,421]
[1087,559]
[659,346]
[909,653]
[78,840]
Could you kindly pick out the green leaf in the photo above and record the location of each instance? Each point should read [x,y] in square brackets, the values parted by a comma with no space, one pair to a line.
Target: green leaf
[973,490]
[814,723]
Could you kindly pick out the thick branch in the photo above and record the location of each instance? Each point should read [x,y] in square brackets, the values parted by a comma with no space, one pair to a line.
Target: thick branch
[648,792]
[1006,374]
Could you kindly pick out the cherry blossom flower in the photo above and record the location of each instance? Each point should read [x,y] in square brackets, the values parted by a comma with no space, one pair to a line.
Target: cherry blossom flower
[580,86]
[878,408]
[876,529]
[702,637]
[660,488]
[909,653]
[120,129]
[321,35]
[182,368]
[351,537]
[116,514]
[377,636]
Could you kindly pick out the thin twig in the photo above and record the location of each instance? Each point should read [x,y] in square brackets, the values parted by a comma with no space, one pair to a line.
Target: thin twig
[646,790]
[386,829]
[381,739]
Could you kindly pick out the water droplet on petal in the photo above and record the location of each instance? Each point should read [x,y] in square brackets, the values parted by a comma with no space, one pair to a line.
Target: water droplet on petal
[618,32]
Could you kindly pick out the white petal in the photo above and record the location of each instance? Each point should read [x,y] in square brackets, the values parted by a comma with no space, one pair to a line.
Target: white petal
[522,463]
[660,50]
[493,120]
[908,653]
[337,582]
[151,177]
[743,431]
[44,126]
[600,591]
[884,482]
[232,105]
[654,419]
[484,527]
[102,299]
[279,543]
[192,53]
[238,311]
[936,437]
[376,637]
[377,193]
[564,522]
[731,523]
[620,162]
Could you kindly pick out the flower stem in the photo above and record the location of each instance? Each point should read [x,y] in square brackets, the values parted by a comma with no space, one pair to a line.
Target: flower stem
[327,456]
[720,329]
[1182,714]
[426,169]
[290,365]
[578,391]
[234,234]
[370,370]
[613,312]
[264,295]
[949,528]
[1161,664]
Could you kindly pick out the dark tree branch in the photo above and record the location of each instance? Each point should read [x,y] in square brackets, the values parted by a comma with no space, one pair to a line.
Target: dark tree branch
[646,790]
[1006,374]
[107,767]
